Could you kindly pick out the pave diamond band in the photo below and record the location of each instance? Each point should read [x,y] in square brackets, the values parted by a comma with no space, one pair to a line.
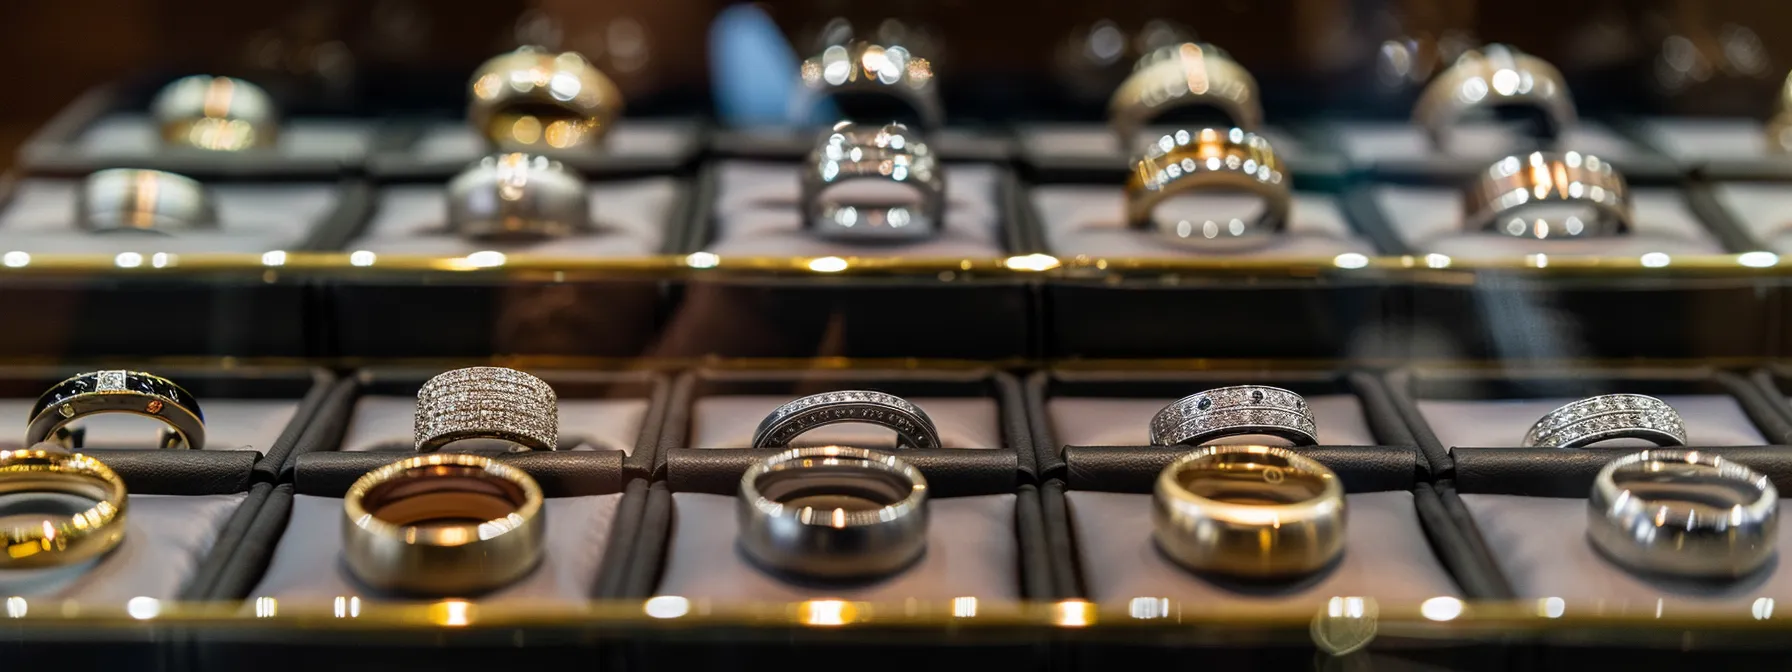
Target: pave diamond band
[1227,161]
[54,415]
[913,428]
[1608,416]
[1234,411]
[486,402]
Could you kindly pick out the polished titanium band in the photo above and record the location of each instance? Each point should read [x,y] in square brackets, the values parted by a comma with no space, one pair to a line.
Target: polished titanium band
[221,114]
[1498,199]
[133,392]
[487,402]
[150,201]
[533,100]
[518,197]
[1183,75]
[913,428]
[1608,416]
[61,540]
[889,154]
[831,512]
[407,525]
[1235,411]
[863,67]
[1683,513]
[1495,76]
[1209,513]
[1211,160]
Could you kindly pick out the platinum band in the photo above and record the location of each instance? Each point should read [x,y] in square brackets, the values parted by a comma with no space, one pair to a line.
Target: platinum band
[146,201]
[1235,411]
[913,428]
[1209,160]
[1497,200]
[133,392]
[1183,75]
[221,114]
[1495,76]
[1248,511]
[893,154]
[832,512]
[872,68]
[486,402]
[518,197]
[1683,513]
[1609,416]
[533,100]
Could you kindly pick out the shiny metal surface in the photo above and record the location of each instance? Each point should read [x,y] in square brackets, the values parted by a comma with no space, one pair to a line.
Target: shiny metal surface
[1216,160]
[1549,195]
[143,201]
[535,100]
[912,426]
[222,114]
[1235,411]
[62,406]
[832,512]
[866,67]
[486,402]
[1248,511]
[1183,75]
[1608,416]
[1495,76]
[60,539]
[443,524]
[900,195]
[518,197]
[1683,513]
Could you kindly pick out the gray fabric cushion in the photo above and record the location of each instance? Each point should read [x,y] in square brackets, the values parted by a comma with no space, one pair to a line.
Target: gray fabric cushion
[1692,139]
[1084,421]
[120,138]
[1096,142]
[758,213]
[1091,220]
[632,138]
[601,424]
[166,537]
[230,424]
[1429,219]
[630,217]
[1371,141]
[254,218]
[728,421]
[1761,208]
[1711,420]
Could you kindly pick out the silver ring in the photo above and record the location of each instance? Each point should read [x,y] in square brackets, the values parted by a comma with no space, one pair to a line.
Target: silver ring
[146,201]
[1608,416]
[1500,197]
[1235,411]
[1209,159]
[486,402]
[1495,76]
[1251,511]
[833,513]
[1183,75]
[518,197]
[223,114]
[873,68]
[1683,513]
[913,428]
[851,152]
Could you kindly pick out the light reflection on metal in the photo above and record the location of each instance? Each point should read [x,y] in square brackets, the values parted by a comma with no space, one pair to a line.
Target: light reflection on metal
[667,606]
[1441,608]
[1345,625]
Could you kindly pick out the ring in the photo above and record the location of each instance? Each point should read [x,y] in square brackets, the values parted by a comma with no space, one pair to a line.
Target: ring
[1495,76]
[913,428]
[1779,126]
[1248,511]
[1183,75]
[864,67]
[1235,411]
[486,402]
[530,99]
[62,540]
[1208,160]
[150,201]
[518,197]
[888,154]
[133,392]
[1608,416]
[832,512]
[222,114]
[1683,513]
[442,524]
[1548,180]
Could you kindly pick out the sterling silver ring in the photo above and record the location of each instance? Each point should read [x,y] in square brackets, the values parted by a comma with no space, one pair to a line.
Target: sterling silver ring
[1235,411]
[221,114]
[1506,196]
[1683,513]
[865,67]
[913,428]
[831,512]
[1495,76]
[143,201]
[875,156]
[518,197]
[1608,416]
[486,402]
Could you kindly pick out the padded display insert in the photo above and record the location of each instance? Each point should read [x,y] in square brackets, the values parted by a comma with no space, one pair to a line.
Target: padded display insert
[1696,140]
[166,537]
[1373,142]
[120,138]
[1711,420]
[631,138]
[758,212]
[382,422]
[1087,421]
[1095,142]
[728,421]
[253,218]
[1763,209]
[1429,219]
[1091,220]
[630,217]
[230,424]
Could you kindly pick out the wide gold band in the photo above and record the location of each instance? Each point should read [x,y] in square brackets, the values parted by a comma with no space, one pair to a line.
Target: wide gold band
[1184,75]
[533,100]
[60,540]
[407,526]
[1249,511]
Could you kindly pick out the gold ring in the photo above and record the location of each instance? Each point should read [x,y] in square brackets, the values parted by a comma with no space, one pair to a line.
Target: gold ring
[1248,511]
[1495,76]
[1184,75]
[409,526]
[1498,199]
[61,540]
[133,392]
[221,114]
[1209,159]
[1779,127]
[530,99]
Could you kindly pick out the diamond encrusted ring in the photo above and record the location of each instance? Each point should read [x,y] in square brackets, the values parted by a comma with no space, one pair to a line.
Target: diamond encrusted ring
[486,402]
[134,392]
[1234,411]
[1608,416]
[1209,160]
[913,428]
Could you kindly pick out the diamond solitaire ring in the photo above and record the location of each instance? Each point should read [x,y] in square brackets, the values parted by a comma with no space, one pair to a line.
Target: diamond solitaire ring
[1608,416]
[1243,410]
[913,428]
[486,402]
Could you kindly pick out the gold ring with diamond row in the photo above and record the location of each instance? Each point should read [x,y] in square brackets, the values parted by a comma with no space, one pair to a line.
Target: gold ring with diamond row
[221,114]
[533,100]
[912,426]
[133,392]
[1239,410]
[486,402]
[1512,185]
[1183,75]
[1608,416]
[1495,76]
[61,540]
[1209,160]
[447,524]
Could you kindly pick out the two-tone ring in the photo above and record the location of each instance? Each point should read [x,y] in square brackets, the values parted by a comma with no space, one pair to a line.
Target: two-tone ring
[1495,76]
[1507,196]
[900,191]
[831,512]
[1610,416]
[1249,511]
[534,100]
[486,402]
[146,201]
[1225,160]
[133,392]
[868,68]
[220,114]
[1183,75]
[518,196]
[61,540]
[1683,513]
[446,524]
[1241,410]
[912,426]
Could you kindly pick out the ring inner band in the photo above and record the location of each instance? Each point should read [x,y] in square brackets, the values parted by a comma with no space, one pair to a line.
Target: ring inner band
[846,485]
[1681,494]
[443,496]
[1250,479]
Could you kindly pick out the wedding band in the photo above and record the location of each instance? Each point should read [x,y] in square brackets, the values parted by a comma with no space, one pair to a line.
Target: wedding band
[60,540]
[131,392]
[446,524]
[1605,417]
[888,154]
[518,196]
[913,428]
[1183,75]
[530,99]
[1235,411]
[1209,160]
[1499,198]
[1683,513]
[150,201]
[1248,511]
[486,402]
[1495,76]
[1779,126]
[223,114]
[864,67]
[831,512]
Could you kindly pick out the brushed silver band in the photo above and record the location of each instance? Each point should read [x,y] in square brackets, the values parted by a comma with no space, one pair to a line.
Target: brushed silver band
[143,201]
[832,512]
[518,197]
[222,114]
[1683,513]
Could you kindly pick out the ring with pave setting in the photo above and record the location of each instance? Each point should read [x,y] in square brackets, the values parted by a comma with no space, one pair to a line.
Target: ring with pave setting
[1235,411]
[486,402]
[133,392]
[1608,416]
[913,428]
